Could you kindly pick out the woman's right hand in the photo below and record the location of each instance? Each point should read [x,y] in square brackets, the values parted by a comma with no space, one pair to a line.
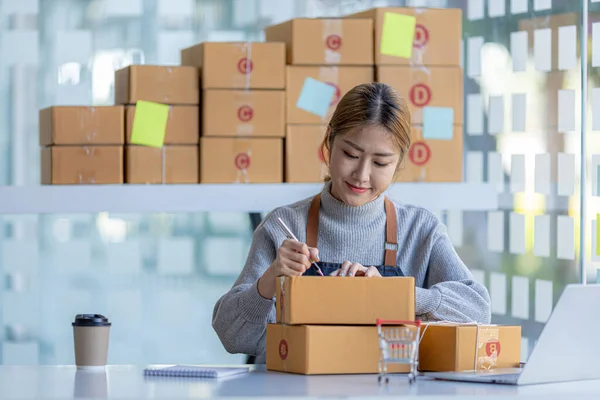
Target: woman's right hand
[293,259]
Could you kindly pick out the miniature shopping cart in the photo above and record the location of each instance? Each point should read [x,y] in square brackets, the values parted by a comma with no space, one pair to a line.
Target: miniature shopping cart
[398,344]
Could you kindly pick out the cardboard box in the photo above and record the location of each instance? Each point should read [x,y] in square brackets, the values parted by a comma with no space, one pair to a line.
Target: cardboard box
[321,349]
[241,160]
[461,348]
[342,78]
[426,87]
[183,125]
[438,33]
[255,113]
[64,165]
[170,164]
[238,65]
[167,85]
[433,160]
[324,300]
[325,41]
[304,161]
[79,125]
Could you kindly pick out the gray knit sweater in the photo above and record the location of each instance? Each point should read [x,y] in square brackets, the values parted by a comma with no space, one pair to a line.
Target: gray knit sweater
[445,289]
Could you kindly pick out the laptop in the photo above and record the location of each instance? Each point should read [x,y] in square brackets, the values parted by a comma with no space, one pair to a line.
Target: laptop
[567,349]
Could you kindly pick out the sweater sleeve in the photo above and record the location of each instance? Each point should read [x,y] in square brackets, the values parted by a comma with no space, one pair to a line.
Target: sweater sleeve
[449,292]
[241,315]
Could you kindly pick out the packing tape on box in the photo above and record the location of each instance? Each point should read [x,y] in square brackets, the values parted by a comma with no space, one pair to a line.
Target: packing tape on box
[242,162]
[330,76]
[332,36]
[282,298]
[167,81]
[244,65]
[486,342]
[85,178]
[87,117]
[421,36]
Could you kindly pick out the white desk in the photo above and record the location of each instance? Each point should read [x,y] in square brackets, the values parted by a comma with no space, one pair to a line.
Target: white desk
[128,382]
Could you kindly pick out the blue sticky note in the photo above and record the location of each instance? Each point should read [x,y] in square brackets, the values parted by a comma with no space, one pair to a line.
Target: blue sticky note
[315,97]
[438,123]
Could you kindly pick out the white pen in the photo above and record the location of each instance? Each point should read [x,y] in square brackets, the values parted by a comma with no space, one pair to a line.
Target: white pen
[291,236]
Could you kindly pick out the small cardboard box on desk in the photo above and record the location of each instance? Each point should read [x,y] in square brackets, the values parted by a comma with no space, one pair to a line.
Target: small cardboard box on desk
[326,325]
[463,347]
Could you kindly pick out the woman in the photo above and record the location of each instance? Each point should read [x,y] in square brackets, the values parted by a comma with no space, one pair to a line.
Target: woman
[349,223]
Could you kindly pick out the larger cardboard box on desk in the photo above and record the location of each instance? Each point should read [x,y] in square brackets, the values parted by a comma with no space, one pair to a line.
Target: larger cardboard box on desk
[325,41]
[426,87]
[455,347]
[304,161]
[341,78]
[241,160]
[183,125]
[253,113]
[238,65]
[169,164]
[320,349]
[437,37]
[159,84]
[325,300]
[63,165]
[81,125]
[433,160]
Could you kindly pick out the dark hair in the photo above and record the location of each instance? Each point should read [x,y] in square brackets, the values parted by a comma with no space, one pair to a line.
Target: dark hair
[375,104]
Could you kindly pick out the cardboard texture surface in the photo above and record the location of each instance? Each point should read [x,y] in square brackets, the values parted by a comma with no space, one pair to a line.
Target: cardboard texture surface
[81,125]
[238,65]
[433,160]
[342,78]
[182,125]
[437,35]
[64,165]
[426,87]
[254,113]
[241,160]
[159,84]
[461,348]
[325,41]
[324,300]
[170,164]
[304,162]
[319,349]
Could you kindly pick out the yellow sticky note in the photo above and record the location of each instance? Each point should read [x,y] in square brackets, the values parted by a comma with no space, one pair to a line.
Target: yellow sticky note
[149,124]
[598,234]
[397,35]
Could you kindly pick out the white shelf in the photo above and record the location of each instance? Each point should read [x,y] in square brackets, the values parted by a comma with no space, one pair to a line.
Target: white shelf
[73,199]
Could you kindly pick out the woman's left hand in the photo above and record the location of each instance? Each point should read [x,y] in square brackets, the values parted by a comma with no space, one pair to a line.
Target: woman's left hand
[355,269]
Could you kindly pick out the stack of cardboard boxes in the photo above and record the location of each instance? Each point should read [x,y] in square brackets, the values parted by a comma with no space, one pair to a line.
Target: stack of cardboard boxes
[243,119]
[81,145]
[335,52]
[431,81]
[177,160]
[327,325]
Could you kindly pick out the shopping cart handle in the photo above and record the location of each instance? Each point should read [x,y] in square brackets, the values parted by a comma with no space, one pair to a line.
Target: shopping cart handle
[397,322]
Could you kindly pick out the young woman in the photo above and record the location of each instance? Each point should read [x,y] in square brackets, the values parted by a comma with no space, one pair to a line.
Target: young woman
[353,229]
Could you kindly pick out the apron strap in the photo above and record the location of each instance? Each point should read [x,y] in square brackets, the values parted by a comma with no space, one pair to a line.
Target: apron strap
[312,224]
[391,233]
[391,228]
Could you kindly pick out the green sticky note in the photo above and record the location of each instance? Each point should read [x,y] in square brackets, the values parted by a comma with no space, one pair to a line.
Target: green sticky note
[398,34]
[149,124]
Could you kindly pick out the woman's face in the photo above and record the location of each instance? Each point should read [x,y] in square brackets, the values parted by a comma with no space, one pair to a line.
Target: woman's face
[362,164]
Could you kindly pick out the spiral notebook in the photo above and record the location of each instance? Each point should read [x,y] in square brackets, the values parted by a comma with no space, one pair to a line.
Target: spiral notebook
[195,371]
